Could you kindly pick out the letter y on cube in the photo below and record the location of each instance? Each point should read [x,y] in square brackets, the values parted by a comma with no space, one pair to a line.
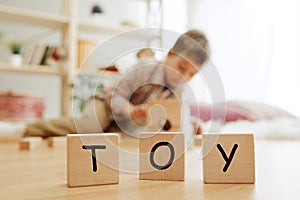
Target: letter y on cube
[228,158]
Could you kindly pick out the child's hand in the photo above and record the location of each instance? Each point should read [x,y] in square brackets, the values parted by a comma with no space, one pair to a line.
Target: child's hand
[197,126]
[138,112]
[198,129]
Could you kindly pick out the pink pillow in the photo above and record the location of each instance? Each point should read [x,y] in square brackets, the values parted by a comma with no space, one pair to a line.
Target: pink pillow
[207,112]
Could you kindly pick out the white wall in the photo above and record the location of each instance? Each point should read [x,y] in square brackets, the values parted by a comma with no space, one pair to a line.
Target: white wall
[236,43]
[255,46]
[175,15]
[284,80]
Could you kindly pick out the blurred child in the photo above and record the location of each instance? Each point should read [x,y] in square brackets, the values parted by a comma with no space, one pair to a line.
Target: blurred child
[126,101]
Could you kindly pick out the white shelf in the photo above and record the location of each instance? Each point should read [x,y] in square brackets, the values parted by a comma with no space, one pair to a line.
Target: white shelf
[97,72]
[32,69]
[32,17]
[87,26]
[91,27]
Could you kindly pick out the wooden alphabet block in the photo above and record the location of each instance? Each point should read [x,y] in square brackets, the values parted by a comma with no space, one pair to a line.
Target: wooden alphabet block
[198,140]
[30,143]
[56,141]
[228,158]
[162,156]
[92,159]
[164,115]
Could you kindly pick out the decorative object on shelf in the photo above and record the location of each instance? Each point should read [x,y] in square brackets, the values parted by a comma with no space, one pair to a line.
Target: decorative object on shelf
[15,50]
[57,58]
[97,14]
[97,9]
[17,105]
[16,57]
[111,68]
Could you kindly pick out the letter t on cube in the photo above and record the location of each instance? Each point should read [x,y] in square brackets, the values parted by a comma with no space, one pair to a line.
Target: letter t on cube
[92,159]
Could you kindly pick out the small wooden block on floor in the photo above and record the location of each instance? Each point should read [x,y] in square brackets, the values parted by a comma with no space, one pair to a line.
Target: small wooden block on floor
[198,140]
[56,141]
[92,159]
[164,115]
[228,158]
[162,156]
[30,143]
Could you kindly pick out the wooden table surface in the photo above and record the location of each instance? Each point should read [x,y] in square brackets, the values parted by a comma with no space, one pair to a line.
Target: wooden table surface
[41,174]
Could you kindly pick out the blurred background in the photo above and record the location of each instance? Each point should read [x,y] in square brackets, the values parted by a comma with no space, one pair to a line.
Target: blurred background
[255,45]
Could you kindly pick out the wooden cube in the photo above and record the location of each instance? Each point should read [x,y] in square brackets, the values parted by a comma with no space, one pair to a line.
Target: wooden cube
[162,156]
[228,158]
[29,143]
[164,115]
[56,141]
[92,159]
[198,140]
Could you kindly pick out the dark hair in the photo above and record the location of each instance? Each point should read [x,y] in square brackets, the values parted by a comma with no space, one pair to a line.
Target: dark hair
[194,45]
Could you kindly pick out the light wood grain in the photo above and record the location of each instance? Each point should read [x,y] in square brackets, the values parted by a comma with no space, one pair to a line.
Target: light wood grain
[162,156]
[81,168]
[41,174]
[241,169]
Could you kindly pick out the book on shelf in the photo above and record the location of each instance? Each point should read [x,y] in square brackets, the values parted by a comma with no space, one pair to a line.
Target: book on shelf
[38,54]
[27,53]
[45,55]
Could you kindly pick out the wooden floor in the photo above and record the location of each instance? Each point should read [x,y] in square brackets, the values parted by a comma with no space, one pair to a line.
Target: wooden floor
[41,174]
